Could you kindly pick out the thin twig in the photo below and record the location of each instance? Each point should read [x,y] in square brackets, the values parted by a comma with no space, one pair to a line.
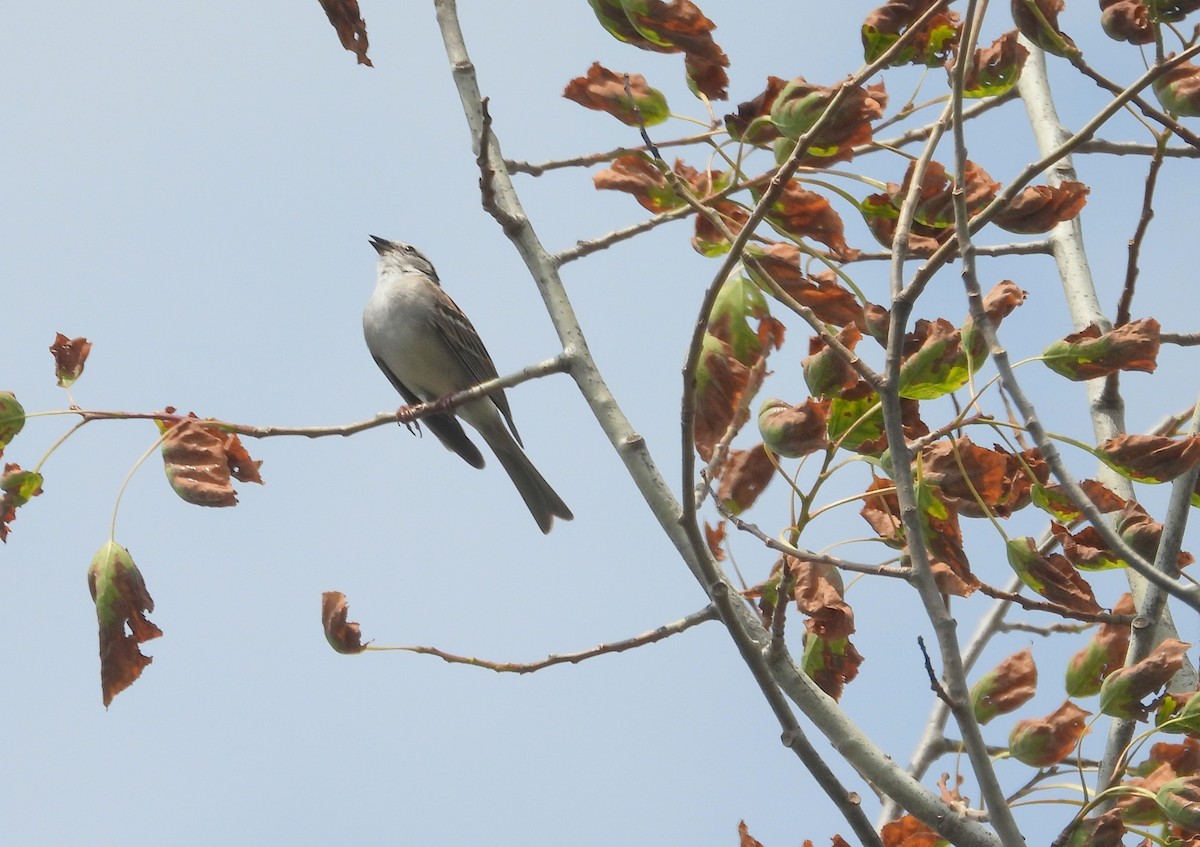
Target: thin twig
[708,613]
[590,159]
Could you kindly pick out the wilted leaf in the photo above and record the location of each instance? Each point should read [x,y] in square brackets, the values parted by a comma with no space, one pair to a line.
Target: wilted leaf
[1107,830]
[1104,654]
[939,525]
[1137,809]
[12,419]
[604,91]
[70,354]
[121,601]
[1041,742]
[1127,20]
[675,27]
[819,594]
[714,536]
[720,382]
[1054,499]
[19,488]
[998,304]
[1180,801]
[1002,480]
[1124,689]
[639,175]
[794,431]
[830,662]
[799,105]
[819,292]
[1178,90]
[930,46]
[709,240]
[907,831]
[1038,21]
[752,122]
[1051,576]
[881,217]
[745,839]
[1086,550]
[801,213]
[827,373]
[351,28]
[1150,458]
[1142,533]
[744,476]
[995,70]
[200,461]
[343,635]
[1005,688]
[939,364]
[1091,353]
[1040,208]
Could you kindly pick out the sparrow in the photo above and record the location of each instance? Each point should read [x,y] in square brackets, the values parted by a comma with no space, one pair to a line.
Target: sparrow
[427,348]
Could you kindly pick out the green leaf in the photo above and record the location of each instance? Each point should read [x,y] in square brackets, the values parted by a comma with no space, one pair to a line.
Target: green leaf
[1180,801]
[739,300]
[854,422]
[12,419]
[939,367]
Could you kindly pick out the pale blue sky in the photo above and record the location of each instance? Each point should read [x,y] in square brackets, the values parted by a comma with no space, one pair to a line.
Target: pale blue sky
[191,187]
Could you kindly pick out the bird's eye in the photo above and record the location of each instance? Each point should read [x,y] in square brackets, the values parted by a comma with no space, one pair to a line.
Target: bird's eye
[408,248]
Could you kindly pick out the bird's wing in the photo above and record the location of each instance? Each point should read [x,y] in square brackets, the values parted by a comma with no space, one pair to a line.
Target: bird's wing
[461,337]
[446,427]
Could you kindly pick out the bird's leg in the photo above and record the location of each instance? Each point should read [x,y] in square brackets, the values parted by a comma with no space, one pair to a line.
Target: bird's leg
[405,418]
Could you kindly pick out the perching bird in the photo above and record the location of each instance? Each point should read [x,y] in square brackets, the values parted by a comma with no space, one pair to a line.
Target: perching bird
[427,347]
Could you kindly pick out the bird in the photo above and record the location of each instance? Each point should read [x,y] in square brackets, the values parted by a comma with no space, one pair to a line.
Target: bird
[427,348]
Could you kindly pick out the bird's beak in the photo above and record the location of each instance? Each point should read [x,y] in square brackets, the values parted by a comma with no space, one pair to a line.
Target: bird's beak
[381,244]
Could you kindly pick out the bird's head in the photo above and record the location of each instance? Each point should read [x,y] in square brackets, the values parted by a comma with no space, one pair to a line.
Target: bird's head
[398,256]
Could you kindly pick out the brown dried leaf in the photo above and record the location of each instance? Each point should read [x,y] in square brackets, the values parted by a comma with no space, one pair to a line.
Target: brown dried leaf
[1001,479]
[1104,653]
[745,475]
[637,174]
[720,382]
[70,354]
[831,663]
[714,536]
[995,69]
[351,28]
[1040,208]
[819,595]
[343,635]
[907,831]
[1125,688]
[709,240]
[1150,458]
[943,535]
[604,91]
[1127,20]
[201,460]
[745,839]
[1006,687]
[1143,533]
[819,292]
[806,214]
[1051,576]
[1042,29]
[675,27]
[122,601]
[752,123]
[928,45]
[1042,742]
[794,431]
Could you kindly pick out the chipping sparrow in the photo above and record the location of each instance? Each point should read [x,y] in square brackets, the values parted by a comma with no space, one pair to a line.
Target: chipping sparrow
[427,347]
